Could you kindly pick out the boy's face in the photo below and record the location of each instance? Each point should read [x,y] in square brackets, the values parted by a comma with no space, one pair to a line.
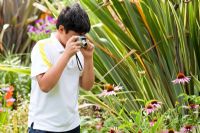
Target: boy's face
[69,34]
[64,36]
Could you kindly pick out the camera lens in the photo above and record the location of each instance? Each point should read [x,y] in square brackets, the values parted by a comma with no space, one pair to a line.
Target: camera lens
[83,40]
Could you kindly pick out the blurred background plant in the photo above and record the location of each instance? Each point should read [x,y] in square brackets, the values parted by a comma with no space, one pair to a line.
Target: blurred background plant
[15,121]
[43,28]
[17,14]
[14,93]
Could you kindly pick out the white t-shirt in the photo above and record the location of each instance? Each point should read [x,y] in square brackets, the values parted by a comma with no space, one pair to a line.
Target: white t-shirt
[56,110]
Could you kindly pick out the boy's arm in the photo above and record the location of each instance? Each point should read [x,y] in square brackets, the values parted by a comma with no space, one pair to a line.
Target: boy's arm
[87,78]
[48,79]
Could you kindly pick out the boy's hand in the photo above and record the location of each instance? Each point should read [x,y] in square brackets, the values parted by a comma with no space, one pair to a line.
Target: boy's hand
[72,46]
[88,50]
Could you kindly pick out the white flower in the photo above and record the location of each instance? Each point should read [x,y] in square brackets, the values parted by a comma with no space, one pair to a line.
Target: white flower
[110,90]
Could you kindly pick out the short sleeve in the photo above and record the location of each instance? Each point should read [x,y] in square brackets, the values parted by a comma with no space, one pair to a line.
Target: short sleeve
[40,60]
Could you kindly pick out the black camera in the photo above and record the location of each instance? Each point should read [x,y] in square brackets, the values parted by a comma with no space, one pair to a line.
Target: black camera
[83,40]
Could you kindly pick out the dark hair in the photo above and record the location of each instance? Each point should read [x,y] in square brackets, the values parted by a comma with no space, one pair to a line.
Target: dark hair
[74,18]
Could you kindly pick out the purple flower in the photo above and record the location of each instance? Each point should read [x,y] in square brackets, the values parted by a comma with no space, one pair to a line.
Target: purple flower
[39,21]
[181,78]
[47,31]
[51,20]
[42,27]
[31,29]
[5,89]
[9,88]
[9,102]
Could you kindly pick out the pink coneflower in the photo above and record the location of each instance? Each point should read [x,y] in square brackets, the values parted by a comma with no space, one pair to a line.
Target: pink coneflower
[112,131]
[153,122]
[181,78]
[149,109]
[110,90]
[156,103]
[99,126]
[187,129]
[169,131]
[96,108]
[152,106]
[191,106]
[115,130]
[194,106]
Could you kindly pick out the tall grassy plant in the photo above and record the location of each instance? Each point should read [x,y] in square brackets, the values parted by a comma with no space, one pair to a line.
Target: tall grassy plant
[150,36]
[158,29]
[18,14]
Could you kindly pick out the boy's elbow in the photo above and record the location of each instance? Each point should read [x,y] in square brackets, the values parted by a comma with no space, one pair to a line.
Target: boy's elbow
[44,88]
[87,87]
[43,85]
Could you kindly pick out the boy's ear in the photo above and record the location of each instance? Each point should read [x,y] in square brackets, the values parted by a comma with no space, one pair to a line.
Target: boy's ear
[61,28]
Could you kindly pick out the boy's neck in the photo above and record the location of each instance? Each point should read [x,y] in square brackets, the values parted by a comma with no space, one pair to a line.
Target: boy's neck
[58,37]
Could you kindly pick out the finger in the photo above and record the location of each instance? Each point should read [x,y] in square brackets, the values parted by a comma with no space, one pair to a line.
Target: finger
[77,48]
[73,39]
[90,45]
[77,43]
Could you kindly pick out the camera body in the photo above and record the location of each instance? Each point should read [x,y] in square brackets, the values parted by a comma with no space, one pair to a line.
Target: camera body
[83,40]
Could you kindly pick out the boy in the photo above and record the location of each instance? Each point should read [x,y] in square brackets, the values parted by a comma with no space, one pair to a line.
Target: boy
[60,64]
